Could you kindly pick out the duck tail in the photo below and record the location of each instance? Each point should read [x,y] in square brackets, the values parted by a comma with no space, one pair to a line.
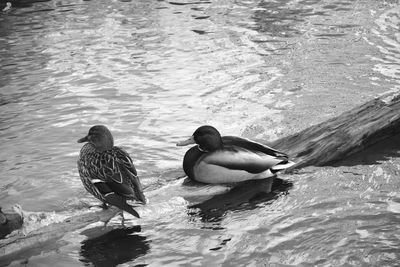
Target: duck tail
[120,202]
[282,166]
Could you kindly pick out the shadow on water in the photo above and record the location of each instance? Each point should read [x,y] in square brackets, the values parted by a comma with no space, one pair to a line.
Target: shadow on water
[113,248]
[246,196]
[21,3]
[381,151]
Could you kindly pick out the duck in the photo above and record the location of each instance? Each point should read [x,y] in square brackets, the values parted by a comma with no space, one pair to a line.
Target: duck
[107,172]
[217,159]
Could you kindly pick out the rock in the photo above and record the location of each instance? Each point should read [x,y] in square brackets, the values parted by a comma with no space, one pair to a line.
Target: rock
[10,221]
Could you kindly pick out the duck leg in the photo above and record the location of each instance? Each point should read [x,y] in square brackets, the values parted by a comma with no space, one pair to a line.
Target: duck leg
[109,214]
[106,222]
[122,218]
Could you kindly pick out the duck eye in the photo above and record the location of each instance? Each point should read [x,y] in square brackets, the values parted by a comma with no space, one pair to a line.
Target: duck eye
[92,134]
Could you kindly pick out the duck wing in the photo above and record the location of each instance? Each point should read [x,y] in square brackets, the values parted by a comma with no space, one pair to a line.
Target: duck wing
[125,179]
[112,172]
[238,158]
[252,146]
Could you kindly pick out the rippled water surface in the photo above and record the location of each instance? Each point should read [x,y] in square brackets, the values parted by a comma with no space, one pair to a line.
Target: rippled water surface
[153,71]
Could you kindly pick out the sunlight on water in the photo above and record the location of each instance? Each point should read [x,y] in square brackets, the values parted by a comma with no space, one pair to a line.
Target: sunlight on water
[153,72]
[388,31]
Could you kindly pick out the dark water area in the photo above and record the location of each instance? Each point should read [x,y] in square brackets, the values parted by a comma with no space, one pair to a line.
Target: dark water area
[121,244]
[153,71]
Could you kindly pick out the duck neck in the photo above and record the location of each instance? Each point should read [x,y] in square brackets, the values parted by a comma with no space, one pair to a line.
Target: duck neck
[210,143]
[202,149]
[105,143]
[103,148]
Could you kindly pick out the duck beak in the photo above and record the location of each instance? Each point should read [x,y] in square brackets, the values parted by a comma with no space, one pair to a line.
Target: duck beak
[84,139]
[187,142]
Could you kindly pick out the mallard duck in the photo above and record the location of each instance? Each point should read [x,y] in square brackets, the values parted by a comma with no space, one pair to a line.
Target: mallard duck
[229,159]
[107,171]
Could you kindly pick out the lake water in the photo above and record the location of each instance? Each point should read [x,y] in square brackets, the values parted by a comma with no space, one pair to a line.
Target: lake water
[153,71]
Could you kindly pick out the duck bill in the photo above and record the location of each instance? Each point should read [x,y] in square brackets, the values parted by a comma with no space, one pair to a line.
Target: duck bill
[83,139]
[187,142]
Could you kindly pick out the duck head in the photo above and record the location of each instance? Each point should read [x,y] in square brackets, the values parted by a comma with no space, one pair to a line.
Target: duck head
[100,137]
[206,137]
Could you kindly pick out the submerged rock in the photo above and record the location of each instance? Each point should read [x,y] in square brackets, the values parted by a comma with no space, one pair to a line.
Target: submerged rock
[10,221]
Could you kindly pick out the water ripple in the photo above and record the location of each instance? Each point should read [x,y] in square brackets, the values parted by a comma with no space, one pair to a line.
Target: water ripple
[153,71]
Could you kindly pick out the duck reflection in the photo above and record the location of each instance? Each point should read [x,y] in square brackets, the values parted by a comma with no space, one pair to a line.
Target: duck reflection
[245,196]
[113,248]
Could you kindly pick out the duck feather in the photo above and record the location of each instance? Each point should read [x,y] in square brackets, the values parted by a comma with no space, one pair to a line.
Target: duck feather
[237,158]
[115,170]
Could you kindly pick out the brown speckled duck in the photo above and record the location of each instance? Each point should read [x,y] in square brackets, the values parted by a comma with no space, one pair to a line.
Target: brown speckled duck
[107,171]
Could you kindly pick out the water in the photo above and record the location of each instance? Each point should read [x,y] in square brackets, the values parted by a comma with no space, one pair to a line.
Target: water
[153,71]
